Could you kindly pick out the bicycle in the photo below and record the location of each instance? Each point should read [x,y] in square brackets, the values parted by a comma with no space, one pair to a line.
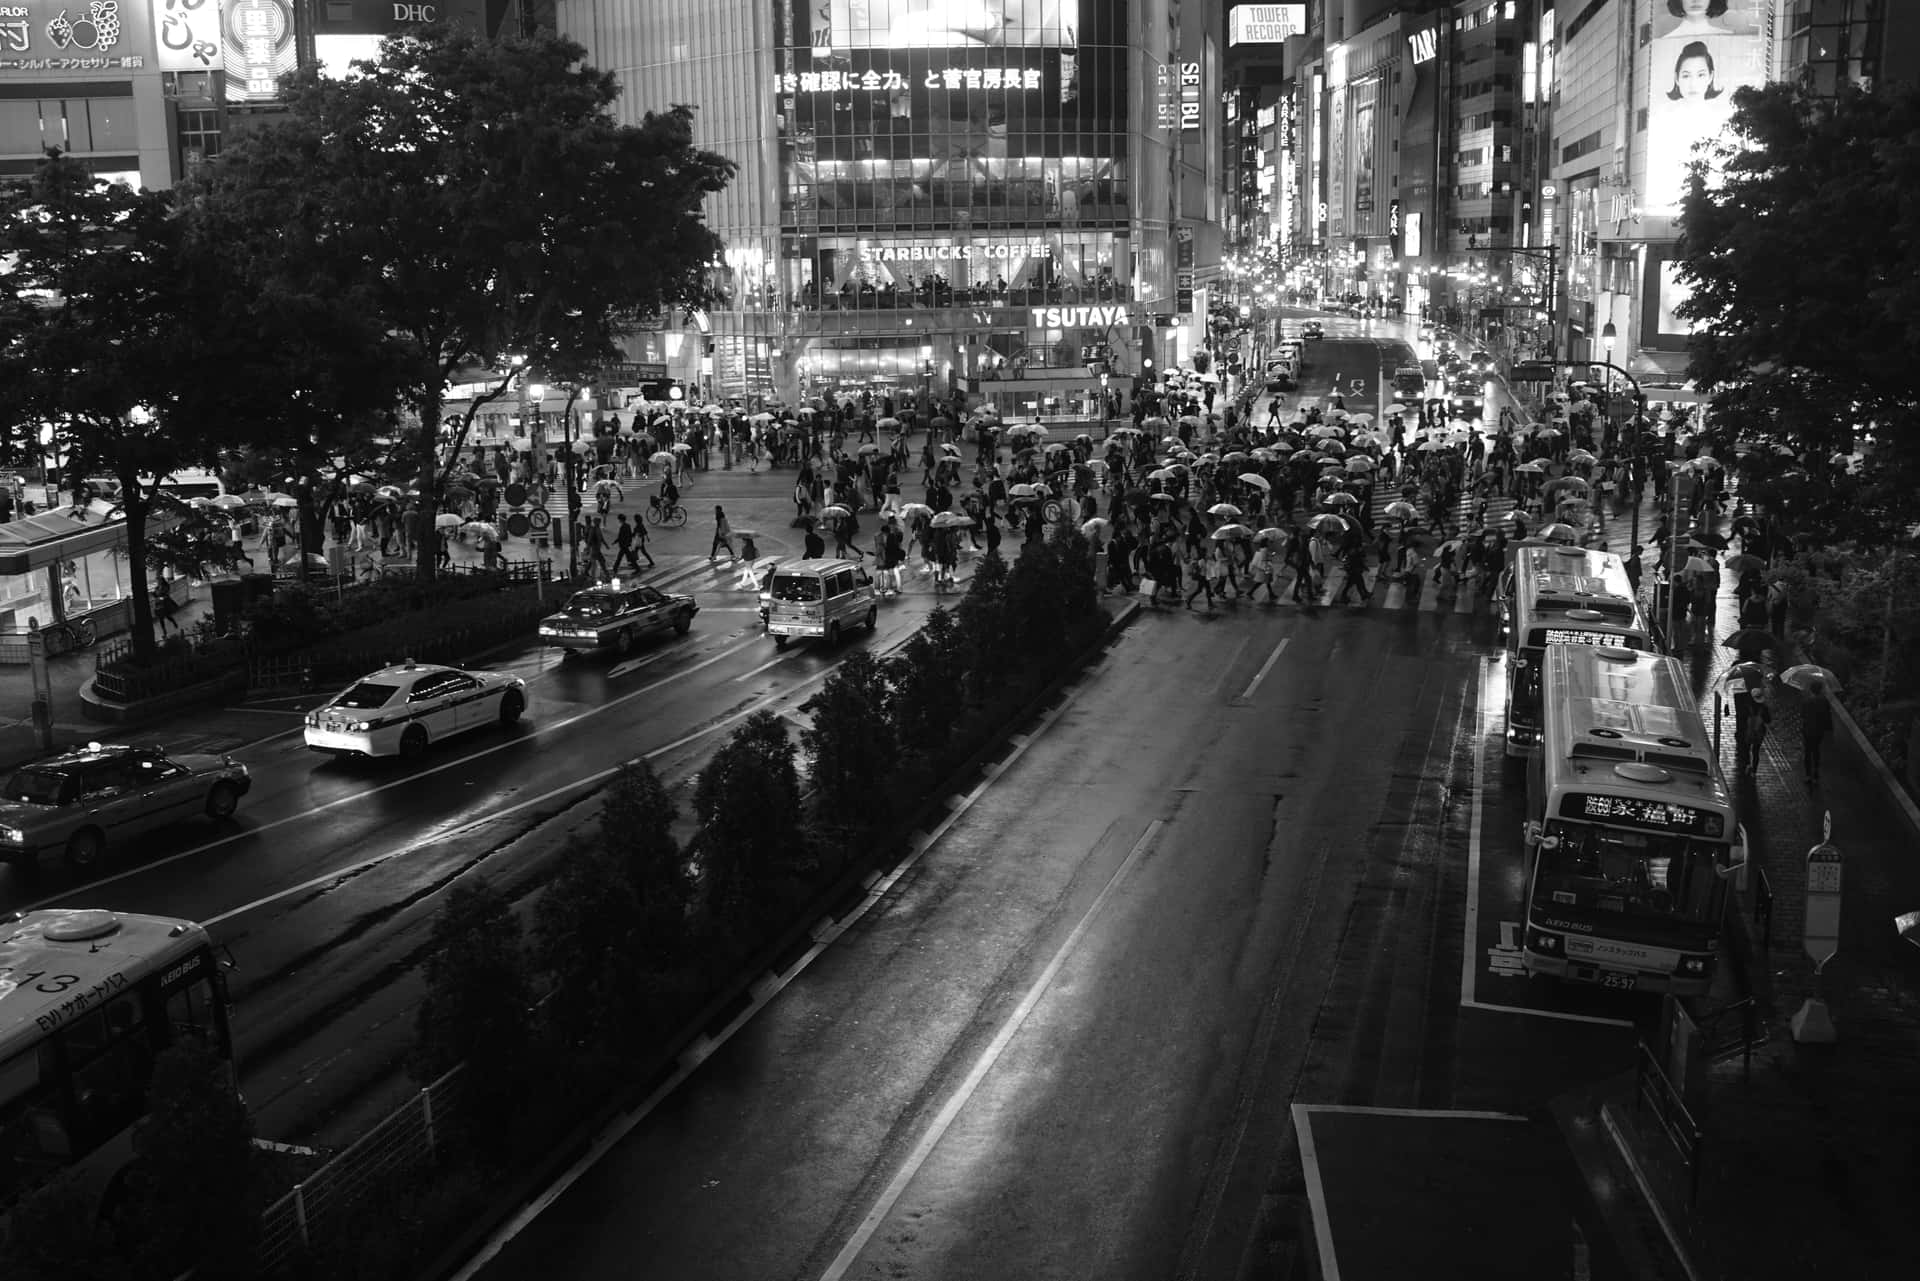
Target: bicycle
[661,512]
[73,634]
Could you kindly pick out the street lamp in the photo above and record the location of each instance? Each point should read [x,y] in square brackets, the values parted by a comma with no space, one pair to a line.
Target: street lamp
[1608,334]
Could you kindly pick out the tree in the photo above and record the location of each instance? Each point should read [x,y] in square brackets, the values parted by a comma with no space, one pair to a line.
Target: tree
[748,804]
[478,200]
[1036,608]
[585,938]
[636,826]
[927,698]
[1804,261]
[1074,555]
[852,751]
[475,1009]
[984,631]
[96,343]
[191,1186]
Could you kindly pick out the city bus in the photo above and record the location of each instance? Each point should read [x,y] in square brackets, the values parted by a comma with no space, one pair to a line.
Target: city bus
[88,1000]
[1559,595]
[1631,830]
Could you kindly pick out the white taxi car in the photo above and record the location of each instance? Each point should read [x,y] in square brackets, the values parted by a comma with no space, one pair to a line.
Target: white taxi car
[397,711]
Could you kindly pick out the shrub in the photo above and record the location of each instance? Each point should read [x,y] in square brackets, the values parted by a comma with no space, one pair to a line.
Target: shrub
[586,940]
[851,748]
[475,1008]
[749,847]
[190,1189]
[636,827]
[1036,612]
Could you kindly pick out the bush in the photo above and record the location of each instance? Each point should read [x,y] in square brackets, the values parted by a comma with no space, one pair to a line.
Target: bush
[636,827]
[190,1190]
[851,748]
[475,1008]
[749,847]
[297,616]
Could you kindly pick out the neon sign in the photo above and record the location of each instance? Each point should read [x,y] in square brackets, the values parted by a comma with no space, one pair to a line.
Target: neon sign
[957,79]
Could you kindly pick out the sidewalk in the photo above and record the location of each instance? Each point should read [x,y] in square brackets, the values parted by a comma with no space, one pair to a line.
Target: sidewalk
[1810,1166]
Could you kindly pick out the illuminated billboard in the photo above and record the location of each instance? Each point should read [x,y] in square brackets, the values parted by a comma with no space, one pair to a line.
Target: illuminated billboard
[1266,23]
[258,38]
[942,24]
[1702,50]
[1661,327]
[48,37]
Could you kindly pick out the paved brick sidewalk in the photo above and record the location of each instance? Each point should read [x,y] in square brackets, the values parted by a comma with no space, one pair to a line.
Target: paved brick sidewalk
[1811,1162]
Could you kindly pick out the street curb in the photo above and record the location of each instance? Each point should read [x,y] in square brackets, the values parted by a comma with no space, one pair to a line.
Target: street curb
[1901,798]
[834,902]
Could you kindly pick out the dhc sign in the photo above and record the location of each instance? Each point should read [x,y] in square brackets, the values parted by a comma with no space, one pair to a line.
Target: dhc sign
[1088,317]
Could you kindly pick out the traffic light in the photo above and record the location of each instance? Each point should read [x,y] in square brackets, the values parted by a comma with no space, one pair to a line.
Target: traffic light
[1531,371]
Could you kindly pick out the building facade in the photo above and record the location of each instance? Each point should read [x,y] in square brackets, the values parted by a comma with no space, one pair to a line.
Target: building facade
[928,202]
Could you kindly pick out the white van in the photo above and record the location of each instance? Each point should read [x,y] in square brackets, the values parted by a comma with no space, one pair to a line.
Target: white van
[819,598]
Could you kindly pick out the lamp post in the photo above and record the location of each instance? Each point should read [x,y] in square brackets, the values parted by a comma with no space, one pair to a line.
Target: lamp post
[1105,430]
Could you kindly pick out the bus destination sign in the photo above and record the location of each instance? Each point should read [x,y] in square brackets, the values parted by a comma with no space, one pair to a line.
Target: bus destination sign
[1628,811]
[1574,636]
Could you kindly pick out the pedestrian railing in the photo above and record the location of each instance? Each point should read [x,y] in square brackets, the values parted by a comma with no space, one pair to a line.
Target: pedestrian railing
[1734,1029]
[330,1200]
[1656,1096]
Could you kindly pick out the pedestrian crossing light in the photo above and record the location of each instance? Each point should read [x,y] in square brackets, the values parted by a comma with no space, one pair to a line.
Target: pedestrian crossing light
[1532,371]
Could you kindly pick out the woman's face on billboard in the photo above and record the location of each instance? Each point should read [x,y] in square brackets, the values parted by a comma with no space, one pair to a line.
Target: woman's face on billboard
[1693,77]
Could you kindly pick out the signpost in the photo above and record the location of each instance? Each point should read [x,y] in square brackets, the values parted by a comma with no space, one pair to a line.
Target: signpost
[1812,1024]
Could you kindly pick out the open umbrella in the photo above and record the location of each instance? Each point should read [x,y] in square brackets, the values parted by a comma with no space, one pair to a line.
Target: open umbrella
[682,448]
[1714,541]
[1163,498]
[1565,535]
[1749,671]
[951,520]
[1401,509]
[1232,531]
[1810,678]
[228,502]
[1533,467]
[481,527]
[1342,499]
[1567,485]
[951,451]
[1023,491]
[1224,509]
[868,448]
[1360,464]
[1097,525]
[663,458]
[1256,480]
[888,422]
[835,510]
[915,511]
[1750,636]
[447,520]
[1328,523]
[1743,562]
[1270,533]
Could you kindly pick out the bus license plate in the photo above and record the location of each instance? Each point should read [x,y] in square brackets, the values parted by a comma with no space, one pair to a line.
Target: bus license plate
[1617,981]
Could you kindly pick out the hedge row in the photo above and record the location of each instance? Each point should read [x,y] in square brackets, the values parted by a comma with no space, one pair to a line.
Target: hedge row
[636,935]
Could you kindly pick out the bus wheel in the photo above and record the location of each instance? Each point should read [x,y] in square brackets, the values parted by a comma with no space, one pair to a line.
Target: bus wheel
[84,848]
[873,619]
[779,642]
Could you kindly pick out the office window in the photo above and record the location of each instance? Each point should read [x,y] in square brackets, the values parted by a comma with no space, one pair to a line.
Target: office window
[20,127]
[107,124]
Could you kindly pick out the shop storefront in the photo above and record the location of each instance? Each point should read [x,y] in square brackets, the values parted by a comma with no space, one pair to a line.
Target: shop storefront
[61,565]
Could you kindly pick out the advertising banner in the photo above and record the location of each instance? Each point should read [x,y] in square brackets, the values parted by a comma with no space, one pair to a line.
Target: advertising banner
[41,37]
[1266,23]
[186,35]
[942,24]
[258,39]
[1661,328]
[1702,50]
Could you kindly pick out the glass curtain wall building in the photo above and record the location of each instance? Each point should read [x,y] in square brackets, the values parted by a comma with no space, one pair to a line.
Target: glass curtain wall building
[933,195]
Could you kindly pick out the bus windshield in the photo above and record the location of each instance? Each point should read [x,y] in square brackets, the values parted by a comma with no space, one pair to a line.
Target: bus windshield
[1641,874]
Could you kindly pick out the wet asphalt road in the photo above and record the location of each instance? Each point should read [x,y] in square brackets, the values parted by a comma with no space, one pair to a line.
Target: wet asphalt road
[1064,1041]
[324,887]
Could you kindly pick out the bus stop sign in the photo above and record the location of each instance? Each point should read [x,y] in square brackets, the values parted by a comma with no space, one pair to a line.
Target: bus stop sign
[1824,874]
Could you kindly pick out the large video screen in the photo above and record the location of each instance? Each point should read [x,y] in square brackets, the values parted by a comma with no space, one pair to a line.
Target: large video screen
[943,24]
[1702,51]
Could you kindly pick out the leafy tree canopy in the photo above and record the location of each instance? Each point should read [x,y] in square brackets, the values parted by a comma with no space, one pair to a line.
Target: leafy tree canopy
[483,207]
[1804,262]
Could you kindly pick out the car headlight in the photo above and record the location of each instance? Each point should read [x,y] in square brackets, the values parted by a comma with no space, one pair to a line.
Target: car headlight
[12,836]
[361,727]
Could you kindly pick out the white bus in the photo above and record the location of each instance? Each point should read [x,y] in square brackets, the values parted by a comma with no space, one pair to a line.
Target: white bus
[88,1000]
[1631,829]
[1558,595]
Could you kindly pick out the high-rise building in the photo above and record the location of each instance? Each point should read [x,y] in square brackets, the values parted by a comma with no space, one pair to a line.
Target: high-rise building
[1020,198]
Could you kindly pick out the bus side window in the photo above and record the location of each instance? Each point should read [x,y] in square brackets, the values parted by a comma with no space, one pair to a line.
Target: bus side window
[191,1016]
[109,1052]
[33,1138]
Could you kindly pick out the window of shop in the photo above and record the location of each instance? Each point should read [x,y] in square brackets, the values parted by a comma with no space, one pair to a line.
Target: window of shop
[75,124]
[20,128]
[1008,269]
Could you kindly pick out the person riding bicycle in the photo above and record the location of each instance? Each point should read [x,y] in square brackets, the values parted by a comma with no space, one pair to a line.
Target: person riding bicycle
[669,492]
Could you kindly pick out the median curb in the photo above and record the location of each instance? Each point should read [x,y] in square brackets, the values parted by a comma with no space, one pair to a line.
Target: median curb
[835,902]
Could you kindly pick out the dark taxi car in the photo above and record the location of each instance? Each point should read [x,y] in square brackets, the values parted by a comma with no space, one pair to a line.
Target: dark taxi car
[616,617]
[80,802]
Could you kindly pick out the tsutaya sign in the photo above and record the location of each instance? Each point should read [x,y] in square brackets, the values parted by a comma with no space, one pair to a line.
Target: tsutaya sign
[1091,316]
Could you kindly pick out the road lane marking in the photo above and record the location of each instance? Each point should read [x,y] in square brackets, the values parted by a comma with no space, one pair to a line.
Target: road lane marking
[1246,695]
[772,662]
[823,937]
[957,1102]
[534,731]
[635,664]
[1470,947]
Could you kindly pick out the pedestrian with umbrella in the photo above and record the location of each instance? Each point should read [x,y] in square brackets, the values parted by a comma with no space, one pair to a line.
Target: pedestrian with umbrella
[1816,713]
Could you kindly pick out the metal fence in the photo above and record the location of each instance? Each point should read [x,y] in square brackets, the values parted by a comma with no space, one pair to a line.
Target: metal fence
[1658,1096]
[326,1202]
